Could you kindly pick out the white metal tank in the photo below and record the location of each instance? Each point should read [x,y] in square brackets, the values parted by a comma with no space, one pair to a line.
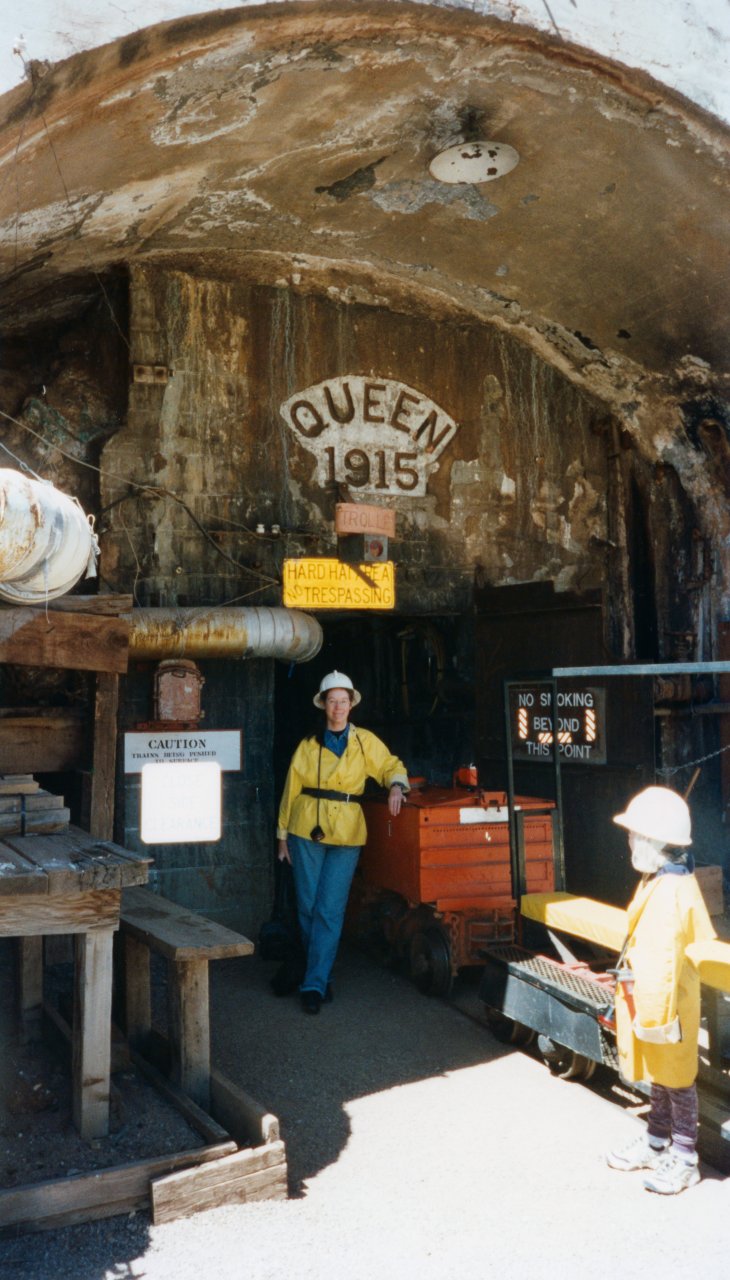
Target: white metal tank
[46,542]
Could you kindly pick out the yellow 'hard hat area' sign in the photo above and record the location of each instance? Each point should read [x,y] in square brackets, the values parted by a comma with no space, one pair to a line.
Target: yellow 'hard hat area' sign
[330,584]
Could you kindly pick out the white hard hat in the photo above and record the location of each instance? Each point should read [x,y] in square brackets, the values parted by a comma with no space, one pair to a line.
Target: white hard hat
[335,680]
[659,814]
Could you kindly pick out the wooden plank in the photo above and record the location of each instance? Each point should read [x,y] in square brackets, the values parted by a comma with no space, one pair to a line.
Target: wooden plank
[91,871]
[78,641]
[244,1118]
[27,915]
[83,1197]
[51,857]
[197,1118]
[234,1179]
[101,821]
[95,864]
[130,862]
[18,784]
[176,932]
[171,1202]
[18,875]
[21,802]
[51,743]
[44,822]
[189,1021]
[92,1032]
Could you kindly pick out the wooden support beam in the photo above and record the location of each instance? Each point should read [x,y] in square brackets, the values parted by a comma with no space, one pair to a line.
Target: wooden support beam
[92,1032]
[30,988]
[105,756]
[37,742]
[79,641]
[137,995]
[190,1028]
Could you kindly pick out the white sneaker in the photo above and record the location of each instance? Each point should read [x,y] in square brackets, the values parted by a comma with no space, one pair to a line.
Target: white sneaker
[637,1154]
[673,1174]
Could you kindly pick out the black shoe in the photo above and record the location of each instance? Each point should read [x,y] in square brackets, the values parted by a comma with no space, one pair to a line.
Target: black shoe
[311,1001]
[329,994]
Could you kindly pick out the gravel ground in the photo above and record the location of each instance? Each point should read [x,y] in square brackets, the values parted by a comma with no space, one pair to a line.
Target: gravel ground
[418,1147]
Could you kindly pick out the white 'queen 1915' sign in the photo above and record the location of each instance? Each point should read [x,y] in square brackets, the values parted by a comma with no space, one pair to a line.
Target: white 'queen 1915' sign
[372,434]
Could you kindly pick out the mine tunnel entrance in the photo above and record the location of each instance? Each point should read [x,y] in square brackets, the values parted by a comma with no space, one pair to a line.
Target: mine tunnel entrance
[415,675]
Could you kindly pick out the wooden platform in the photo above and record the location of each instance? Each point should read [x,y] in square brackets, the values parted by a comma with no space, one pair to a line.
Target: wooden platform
[70,883]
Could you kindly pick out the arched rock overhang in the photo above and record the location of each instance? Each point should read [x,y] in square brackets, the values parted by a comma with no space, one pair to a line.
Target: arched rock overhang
[294,141]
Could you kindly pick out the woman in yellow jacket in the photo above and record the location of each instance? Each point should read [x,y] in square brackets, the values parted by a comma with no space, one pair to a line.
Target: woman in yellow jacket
[321,826]
[658,993]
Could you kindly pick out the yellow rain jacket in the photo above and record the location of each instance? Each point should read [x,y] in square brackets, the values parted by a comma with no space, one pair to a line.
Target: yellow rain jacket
[657,1025]
[342,822]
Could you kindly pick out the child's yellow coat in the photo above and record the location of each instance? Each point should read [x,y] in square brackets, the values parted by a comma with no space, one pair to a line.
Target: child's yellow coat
[666,914]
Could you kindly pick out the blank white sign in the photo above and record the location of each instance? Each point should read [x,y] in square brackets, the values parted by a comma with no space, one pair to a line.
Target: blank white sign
[181,802]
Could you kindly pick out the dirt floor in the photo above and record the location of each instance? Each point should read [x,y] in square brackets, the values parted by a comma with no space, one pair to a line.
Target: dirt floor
[37,1137]
[419,1148]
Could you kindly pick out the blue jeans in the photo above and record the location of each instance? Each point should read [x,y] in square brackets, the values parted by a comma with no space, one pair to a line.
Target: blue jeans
[322,876]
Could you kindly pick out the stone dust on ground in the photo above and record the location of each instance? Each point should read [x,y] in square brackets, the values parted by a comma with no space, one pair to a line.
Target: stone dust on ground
[38,1140]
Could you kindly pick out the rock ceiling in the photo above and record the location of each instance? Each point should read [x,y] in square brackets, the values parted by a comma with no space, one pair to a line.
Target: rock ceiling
[292,144]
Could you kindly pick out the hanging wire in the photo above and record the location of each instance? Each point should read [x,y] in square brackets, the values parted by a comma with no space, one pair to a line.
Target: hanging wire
[669,772]
[21,464]
[153,491]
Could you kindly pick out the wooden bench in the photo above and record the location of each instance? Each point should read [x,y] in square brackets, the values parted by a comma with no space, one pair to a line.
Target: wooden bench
[148,923]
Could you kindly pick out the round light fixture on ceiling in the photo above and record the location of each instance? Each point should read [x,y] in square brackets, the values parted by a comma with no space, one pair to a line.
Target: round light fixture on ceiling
[474,162]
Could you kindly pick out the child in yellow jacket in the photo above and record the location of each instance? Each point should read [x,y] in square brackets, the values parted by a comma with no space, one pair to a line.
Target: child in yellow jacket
[658,991]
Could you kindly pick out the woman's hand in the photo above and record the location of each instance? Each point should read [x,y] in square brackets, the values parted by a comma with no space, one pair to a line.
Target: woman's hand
[395,800]
[283,851]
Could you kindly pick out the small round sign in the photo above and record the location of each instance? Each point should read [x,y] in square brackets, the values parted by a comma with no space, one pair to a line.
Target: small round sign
[474,162]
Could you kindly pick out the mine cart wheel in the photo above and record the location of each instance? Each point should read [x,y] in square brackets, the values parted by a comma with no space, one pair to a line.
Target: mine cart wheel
[564,1063]
[507,1031]
[429,962]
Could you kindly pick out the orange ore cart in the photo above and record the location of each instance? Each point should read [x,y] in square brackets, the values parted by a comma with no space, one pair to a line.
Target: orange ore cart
[434,885]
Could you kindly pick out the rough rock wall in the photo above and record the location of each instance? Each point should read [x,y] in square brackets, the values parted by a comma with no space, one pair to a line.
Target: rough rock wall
[519,488]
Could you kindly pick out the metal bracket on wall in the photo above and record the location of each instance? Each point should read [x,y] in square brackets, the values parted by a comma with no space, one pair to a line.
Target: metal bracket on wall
[158,374]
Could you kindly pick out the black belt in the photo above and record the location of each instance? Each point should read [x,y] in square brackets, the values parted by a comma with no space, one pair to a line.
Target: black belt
[320,794]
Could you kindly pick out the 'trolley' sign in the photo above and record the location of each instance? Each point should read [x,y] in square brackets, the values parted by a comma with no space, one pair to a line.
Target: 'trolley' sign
[372,434]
